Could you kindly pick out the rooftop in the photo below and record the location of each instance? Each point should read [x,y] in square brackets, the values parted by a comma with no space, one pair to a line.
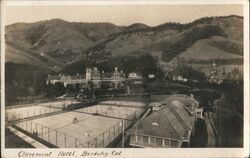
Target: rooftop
[173,122]
[186,100]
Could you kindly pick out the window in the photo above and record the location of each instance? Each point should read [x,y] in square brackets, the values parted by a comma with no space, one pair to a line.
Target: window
[145,139]
[166,143]
[132,137]
[138,138]
[152,140]
[184,145]
[159,141]
[174,143]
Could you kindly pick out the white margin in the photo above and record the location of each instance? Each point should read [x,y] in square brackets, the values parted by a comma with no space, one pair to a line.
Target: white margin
[147,153]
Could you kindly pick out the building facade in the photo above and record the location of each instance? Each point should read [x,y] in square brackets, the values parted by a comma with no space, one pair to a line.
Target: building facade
[93,78]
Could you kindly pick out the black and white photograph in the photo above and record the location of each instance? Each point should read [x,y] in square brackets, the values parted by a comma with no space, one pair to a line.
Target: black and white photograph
[110,75]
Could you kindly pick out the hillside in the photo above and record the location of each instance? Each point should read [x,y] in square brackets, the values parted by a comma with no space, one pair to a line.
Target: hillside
[58,43]
[34,50]
[173,39]
[204,50]
[20,56]
[58,39]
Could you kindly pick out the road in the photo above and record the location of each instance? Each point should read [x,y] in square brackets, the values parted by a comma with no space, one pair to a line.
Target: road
[229,123]
[226,120]
[200,138]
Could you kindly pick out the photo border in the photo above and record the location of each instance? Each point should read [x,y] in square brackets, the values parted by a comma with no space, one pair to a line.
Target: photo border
[135,152]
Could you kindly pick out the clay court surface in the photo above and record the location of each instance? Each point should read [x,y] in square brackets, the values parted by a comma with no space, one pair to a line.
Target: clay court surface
[112,111]
[94,126]
[123,103]
[35,110]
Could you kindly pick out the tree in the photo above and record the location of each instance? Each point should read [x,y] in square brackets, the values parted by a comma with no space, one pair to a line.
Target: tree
[49,90]
[190,73]
[77,87]
[70,88]
[59,89]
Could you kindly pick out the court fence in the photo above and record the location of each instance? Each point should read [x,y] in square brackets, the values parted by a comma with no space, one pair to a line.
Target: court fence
[46,108]
[62,140]
[109,136]
[32,112]
[48,135]
[110,112]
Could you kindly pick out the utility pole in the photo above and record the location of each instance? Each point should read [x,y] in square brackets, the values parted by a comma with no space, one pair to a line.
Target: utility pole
[34,77]
[137,122]
[123,132]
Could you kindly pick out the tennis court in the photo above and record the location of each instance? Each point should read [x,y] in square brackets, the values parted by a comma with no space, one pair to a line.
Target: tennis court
[94,126]
[35,110]
[112,111]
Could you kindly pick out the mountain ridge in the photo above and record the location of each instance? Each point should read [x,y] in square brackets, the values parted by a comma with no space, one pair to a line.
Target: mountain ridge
[60,41]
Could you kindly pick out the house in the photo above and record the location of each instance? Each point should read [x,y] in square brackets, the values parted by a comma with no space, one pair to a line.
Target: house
[169,127]
[134,75]
[151,76]
[135,78]
[53,79]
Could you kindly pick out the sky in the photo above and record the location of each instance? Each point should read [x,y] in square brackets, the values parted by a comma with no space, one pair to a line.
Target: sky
[122,15]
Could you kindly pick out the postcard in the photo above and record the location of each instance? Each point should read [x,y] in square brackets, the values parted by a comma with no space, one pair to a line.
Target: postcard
[121,79]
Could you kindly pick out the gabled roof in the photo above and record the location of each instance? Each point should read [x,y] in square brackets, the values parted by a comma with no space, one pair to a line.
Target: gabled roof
[183,98]
[173,122]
